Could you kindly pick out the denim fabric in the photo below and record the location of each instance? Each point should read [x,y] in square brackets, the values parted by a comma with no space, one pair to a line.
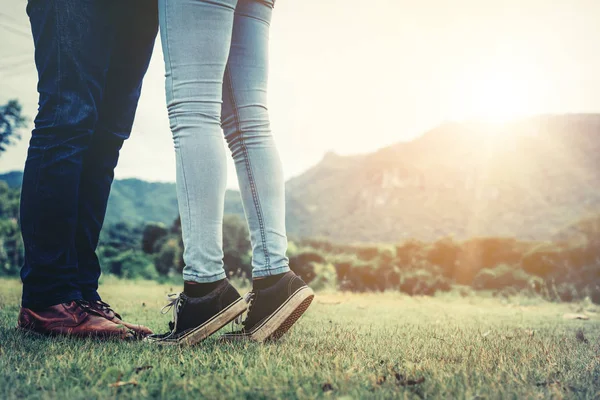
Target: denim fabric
[216,58]
[91,57]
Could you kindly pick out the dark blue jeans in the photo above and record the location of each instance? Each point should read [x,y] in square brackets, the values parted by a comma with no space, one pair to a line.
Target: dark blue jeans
[91,57]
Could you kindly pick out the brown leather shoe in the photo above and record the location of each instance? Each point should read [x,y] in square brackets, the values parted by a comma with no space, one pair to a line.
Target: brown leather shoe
[75,318]
[107,312]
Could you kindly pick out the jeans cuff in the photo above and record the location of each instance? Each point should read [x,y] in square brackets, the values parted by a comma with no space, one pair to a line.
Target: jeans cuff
[50,301]
[91,296]
[204,279]
[270,271]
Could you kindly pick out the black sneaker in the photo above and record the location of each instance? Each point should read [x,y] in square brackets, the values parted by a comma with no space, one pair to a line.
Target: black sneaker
[196,318]
[274,310]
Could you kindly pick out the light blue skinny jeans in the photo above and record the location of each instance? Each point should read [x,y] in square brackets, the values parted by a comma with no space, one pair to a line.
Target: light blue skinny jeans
[216,61]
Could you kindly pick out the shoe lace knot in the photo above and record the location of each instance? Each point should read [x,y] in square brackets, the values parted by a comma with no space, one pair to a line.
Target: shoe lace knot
[98,307]
[174,304]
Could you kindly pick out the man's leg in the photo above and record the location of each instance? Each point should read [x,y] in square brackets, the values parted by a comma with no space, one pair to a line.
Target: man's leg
[72,49]
[137,26]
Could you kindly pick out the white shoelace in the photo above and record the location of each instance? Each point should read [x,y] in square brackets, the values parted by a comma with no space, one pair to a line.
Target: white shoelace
[174,304]
[248,298]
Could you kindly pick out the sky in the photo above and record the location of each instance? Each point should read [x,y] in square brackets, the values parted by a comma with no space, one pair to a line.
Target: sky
[353,76]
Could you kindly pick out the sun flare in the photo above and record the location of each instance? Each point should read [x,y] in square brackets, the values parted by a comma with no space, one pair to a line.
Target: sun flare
[496,95]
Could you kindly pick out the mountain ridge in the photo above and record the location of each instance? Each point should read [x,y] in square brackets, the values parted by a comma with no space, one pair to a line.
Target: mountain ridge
[526,178]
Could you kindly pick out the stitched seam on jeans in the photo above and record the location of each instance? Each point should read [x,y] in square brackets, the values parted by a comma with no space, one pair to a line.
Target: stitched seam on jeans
[185,186]
[250,174]
[169,52]
[187,193]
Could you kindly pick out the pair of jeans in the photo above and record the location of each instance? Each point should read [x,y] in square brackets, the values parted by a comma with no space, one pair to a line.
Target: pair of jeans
[91,57]
[216,61]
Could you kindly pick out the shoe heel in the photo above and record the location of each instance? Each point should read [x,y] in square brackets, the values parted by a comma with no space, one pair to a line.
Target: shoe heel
[285,317]
[212,326]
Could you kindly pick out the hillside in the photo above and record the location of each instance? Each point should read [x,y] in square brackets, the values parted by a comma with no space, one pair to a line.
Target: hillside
[141,201]
[138,201]
[524,179]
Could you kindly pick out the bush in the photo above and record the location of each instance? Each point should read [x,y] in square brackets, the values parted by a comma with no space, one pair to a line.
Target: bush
[594,292]
[501,277]
[11,248]
[292,249]
[365,277]
[236,247]
[131,264]
[387,256]
[122,236]
[486,252]
[303,264]
[424,282]
[444,253]
[351,272]
[389,273]
[579,255]
[325,276]
[410,252]
[9,202]
[543,260]
[366,253]
[565,292]
[152,233]
[343,266]
[167,257]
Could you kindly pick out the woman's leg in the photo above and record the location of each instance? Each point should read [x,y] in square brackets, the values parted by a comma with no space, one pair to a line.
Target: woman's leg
[196,37]
[245,121]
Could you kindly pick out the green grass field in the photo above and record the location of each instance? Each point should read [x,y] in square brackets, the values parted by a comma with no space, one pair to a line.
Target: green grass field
[346,346]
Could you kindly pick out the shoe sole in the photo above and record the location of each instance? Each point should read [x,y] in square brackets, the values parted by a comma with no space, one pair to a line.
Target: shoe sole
[278,323]
[211,326]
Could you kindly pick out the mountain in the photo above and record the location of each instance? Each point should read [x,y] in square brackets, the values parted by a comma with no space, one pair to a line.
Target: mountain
[137,201]
[140,201]
[13,179]
[526,179]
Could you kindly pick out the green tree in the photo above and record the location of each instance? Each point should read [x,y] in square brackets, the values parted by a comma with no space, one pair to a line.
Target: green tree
[167,256]
[11,243]
[153,232]
[11,247]
[9,202]
[122,236]
[11,121]
[236,246]
[120,252]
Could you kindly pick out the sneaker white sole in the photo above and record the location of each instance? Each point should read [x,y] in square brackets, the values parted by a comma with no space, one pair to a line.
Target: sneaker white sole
[278,323]
[211,326]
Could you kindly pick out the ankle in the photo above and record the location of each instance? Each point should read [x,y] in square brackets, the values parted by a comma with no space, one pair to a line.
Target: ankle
[196,289]
[266,282]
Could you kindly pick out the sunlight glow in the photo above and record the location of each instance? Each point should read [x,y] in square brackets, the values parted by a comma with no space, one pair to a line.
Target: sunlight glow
[497,94]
